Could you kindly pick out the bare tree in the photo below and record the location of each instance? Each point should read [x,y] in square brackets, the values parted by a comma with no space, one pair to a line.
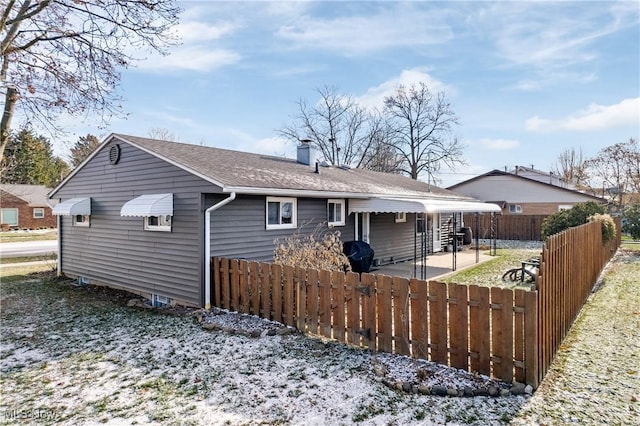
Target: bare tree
[64,56]
[421,125]
[162,134]
[617,168]
[572,167]
[342,130]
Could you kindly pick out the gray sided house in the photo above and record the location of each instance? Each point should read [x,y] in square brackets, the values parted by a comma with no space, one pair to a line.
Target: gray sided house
[146,215]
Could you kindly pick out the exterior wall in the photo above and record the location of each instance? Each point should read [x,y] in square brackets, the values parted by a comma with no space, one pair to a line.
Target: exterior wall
[238,230]
[116,250]
[392,242]
[514,190]
[538,208]
[25,213]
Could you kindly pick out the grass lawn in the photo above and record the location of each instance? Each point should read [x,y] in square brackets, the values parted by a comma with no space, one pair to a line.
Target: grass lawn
[489,274]
[22,259]
[20,236]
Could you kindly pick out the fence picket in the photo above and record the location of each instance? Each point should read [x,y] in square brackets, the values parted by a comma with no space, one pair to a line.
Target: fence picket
[243,286]
[419,319]
[288,289]
[352,296]
[312,301]
[325,303]
[266,289]
[300,280]
[276,286]
[369,314]
[385,318]
[400,291]
[458,326]
[439,321]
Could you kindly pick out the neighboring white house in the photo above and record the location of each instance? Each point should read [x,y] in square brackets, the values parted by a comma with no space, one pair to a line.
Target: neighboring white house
[524,192]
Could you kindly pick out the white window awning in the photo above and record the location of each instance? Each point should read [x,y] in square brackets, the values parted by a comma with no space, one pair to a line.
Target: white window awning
[149,205]
[419,205]
[72,207]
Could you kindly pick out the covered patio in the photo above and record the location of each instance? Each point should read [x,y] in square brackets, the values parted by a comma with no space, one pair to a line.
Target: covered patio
[437,266]
[428,261]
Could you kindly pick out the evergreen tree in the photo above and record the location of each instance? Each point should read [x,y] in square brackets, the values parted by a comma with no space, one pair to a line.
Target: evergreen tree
[29,160]
[83,148]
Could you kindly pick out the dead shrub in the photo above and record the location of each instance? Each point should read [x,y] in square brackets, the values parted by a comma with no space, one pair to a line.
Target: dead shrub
[320,249]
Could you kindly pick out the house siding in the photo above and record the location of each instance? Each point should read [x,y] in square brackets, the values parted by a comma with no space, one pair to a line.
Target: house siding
[238,229]
[116,250]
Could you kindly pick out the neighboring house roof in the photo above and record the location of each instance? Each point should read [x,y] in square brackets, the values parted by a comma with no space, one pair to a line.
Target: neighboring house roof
[545,177]
[249,173]
[494,173]
[33,195]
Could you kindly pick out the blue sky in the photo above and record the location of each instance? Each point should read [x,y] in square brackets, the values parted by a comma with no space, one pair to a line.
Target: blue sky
[527,80]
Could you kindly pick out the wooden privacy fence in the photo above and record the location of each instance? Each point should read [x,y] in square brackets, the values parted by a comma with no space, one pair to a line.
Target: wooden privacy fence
[508,227]
[491,331]
[509,334]
[570,264]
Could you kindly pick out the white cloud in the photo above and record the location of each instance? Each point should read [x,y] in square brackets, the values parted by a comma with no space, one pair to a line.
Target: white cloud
[594,117]
[385,28]
[374,97]
[194,31]
[201,58]
[499,144]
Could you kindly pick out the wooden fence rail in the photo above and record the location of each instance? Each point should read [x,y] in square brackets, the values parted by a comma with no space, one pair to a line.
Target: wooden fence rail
[508,334]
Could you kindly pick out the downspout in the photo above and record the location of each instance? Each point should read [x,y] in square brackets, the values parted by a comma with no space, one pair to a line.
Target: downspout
[207,247]
[59,260]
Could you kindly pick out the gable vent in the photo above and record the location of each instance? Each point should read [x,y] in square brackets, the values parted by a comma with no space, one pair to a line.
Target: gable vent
[114,154]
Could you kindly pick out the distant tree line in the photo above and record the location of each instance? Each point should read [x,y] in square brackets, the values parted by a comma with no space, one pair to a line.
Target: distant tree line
[614,172]
[29,159]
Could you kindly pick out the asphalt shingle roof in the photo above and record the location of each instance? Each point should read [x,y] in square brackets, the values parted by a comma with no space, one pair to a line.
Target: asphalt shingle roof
[236,169]
[34,195]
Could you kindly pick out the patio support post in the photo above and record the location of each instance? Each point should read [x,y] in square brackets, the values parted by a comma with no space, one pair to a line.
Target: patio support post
[455,242]
[475,231]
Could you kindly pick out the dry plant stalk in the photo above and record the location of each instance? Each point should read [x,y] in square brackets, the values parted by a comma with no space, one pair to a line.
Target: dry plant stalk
[320,249]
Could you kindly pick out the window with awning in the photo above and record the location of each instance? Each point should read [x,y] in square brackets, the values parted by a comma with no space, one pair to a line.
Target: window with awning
[156,209]
[73,207]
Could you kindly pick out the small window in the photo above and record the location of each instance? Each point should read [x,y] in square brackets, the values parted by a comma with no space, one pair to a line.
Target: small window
[9,217]
[335,214]
[420,223]
[38,213]
[401,217]
[157,223]
[515,208]
[281,213]
[564,207]
[81,220]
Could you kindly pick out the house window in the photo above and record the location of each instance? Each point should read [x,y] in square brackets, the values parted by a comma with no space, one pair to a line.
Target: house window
[515,208]
[281,213]
[38,213]
[335,214]
[9,217]
[420,223]
[157,223]
[81,220]
[564,207]
[401,217]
